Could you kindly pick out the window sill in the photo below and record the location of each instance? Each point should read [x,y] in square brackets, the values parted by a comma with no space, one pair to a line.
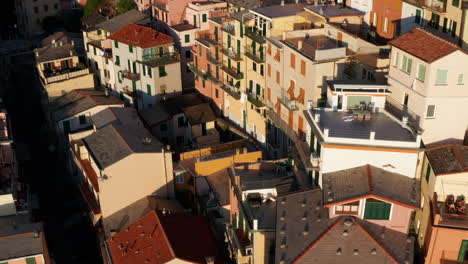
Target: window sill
[441,84]
[431,117]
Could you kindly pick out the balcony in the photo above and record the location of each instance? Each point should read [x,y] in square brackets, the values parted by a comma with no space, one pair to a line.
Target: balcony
[213,60]
[450,213]
[255,100]
[255,55]
[238,240]
[231,53]
[197,71]
[402,112]
[232,91]
[255,34]
[131,93]
[209,40]
[214,79]
[435,5]
[130,75]
[157,60]
[229,28]
[232,72]
[58,76]
[286,100]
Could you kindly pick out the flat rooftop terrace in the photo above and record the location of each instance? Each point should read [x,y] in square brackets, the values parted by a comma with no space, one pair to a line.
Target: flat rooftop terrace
[317,47]
[343,124]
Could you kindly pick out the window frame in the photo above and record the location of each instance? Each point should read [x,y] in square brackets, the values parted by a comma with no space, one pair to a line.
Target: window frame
[433,114]
[437,83]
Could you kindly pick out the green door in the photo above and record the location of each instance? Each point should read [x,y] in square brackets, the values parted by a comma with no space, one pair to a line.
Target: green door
[377,210]
[463,255]
[66,126]
[203,129]
[244,114]
[238,47]
[134,86]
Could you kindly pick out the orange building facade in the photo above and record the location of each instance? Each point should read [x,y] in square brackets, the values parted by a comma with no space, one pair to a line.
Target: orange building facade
[385,19]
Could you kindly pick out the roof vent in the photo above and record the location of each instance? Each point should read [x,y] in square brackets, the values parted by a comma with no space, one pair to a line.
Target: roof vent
[373,251]
[356,252]
[348,222]
[339,252]
[345,233]
[147,141]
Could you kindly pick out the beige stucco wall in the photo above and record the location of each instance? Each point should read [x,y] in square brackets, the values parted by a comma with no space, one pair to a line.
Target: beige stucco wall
[262,241]
[57,89]
[30,22]
[445,244]
[135,177]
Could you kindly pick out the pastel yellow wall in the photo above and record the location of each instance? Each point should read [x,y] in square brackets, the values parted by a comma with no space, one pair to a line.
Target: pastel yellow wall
[212,166]
[211,150]
[60,88]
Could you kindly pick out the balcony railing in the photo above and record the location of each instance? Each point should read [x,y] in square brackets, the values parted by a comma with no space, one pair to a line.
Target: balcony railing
[255,100]
[401,112]
[232,91]
[197,71]
[255,55]
[208,39]
[156,60]
[231,53]
[229,28]
[255,34]
[234,73]
[213,60]
[435,5]
[130,75]
[58,77]
[443,216]
[213,78]
[286,100]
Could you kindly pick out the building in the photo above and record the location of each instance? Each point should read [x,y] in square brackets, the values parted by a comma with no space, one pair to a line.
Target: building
[99,49]
[364,6]
[30,15]
[376,195]
[350,20]
[165,237]
[144,6]
[72,111]
[385,19]
[427,81]
[119,163]
[253,191]
[305,234]
[59,63]
[184,121]
[146,65]
[169,13]
[442,224]
[443,18]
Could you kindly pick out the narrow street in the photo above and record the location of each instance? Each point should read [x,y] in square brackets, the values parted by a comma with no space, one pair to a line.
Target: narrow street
[70,235]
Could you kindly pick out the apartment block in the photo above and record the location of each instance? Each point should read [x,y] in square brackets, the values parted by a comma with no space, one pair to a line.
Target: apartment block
[59,64]
[104,159]
[427,81]
[385,19]
[146,65]
[31,13]
[442,224]
[99,48]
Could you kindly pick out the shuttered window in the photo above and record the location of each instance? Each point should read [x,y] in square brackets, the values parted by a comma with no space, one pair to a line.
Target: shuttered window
[303,67]
[377,210]
[82,119]
[441,77]
[269,70]
[422,72]
[463,254]
[293,61]
[430,111]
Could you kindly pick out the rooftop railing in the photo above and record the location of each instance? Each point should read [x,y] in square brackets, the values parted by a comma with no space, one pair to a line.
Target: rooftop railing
[231,90]
[233,72]
[156,60]
[255,99]
[255,34]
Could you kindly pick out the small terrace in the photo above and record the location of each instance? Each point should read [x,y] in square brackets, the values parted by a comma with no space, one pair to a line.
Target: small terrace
[65,74]
[255,99]
[255,34]
[130,75]
[157,60]
[286,100]
[316,47]
[233,72]
[231,53]
[231,90]
[437,6]
[450,212]
[229,27]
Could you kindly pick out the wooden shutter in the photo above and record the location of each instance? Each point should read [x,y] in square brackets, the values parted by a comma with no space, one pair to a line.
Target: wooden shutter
[291,119]
[277,77]
[269,94]
[269,49]
[293,61]
[292,86]
[301,96]
[300,124]
[303,67]
[278,107]
[269,70]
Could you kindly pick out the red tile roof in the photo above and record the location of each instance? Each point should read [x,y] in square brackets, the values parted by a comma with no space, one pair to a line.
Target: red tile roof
[424,45]
[141,36]
[158,238]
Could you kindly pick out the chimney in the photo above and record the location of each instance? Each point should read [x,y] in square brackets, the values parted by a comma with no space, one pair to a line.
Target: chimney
[73,43]
[36,53]
[282,2]
[71,52]
[299,45]
[465,140]
[210,260]
[284,36]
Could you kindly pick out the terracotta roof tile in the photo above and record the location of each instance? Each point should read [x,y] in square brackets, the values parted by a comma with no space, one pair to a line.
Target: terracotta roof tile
[424,45]
[141,36]
[448,159]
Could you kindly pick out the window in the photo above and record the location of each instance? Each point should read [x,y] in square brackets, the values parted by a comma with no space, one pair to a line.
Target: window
[441,77]
[269,70]
[428,172]
[187,38]
[377,210]
[430,111]
[444,25]
[349,208]
[216,93]
[262,73]
[31,260]
[422,72]
[204,18]
[46,8]
[417,18]
[94,50]
[254,66]
[434,22]
[130,48]
[82,119]
[148,89]
[99,32]
[162,71]
[303,67]
[453,28]
[188,54]
[460,79]
[406,64]
[203,83]
[455,3]
[194,20]
[463,254]
[385,27]
[396,60]
[293,61]
[36,9]
[180,121]
[150,72]
[179,179]
[116,44]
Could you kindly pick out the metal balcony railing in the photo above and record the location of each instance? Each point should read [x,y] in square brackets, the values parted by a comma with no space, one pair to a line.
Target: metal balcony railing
[401,111]
[286,100]
[156,60]
[130,75]
[229,28]
[231,53]
[255,99]
[197,71]
[233,72]
[255,34]
[256,55]
[232,91]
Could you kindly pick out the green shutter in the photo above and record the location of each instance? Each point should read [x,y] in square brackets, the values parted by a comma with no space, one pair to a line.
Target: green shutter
[454,28]
[94,50]
[150,72]
[187,38]
[404,63]
[216,33]
[195,20]
[66,126]
[134,88]
[260,50]
[428,172]
[204,18]
[229,41]
[417,18]
[128,64]
[130,48]
[254,66]
[82,119]
[144,70]
[463,254]
[444,27]
[162,71]
[238,67]
[216,94]
[455,3]
[99,32]
[250,85]
[134,67]
[31,260]
[238,47]
[229,63]
[410,62]
[148,89]
[261,69]
[377,210]
[116,44]
[422,72]
[117,60]
[217,72]
[441,76]
[259,92]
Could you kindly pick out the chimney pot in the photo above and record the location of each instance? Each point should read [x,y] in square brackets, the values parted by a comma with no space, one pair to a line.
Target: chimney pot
[299,45]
